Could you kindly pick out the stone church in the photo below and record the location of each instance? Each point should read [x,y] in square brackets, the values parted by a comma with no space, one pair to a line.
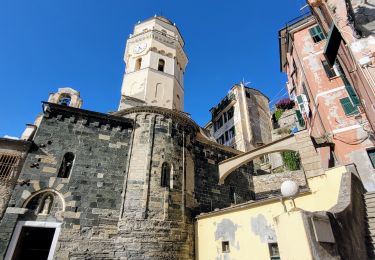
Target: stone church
[122,185]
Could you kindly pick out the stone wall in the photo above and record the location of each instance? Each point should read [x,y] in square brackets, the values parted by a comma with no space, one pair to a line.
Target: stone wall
[91,196]
[113,205]
[271,183]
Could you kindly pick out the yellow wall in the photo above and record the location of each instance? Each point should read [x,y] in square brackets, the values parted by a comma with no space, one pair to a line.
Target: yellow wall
[250,227]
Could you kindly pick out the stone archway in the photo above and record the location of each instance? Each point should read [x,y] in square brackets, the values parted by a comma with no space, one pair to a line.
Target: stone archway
[300,142]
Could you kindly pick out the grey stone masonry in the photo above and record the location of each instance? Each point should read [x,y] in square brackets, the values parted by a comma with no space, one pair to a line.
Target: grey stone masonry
[138,179]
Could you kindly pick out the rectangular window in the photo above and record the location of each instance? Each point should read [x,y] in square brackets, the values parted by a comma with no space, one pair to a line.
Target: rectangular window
[8,164]
[317,34]
[226,136]
[274,251]
[230,113]
[348,106]
[225,246]
[328,69]
[371,155]
[219,123]
[231,132]
[349,88]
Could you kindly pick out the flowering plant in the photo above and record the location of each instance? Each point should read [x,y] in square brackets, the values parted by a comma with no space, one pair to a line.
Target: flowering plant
[285,103]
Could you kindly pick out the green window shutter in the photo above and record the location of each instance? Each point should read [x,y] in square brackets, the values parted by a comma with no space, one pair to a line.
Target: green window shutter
[327,68]
[299,99]
[351,92]
[348,107]
[300,119]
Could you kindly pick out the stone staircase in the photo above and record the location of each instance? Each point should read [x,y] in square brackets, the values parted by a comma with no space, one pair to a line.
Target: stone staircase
[370,219]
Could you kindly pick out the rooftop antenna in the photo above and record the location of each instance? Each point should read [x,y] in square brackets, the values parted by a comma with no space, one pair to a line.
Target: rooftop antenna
[244,83]
[303,8]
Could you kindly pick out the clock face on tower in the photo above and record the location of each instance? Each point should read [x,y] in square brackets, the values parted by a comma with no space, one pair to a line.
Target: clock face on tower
[139,47]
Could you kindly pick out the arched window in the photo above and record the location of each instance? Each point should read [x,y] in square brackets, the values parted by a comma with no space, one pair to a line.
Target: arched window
[66,165]
[65,100]
[138,64]
[161,65]
[165,175]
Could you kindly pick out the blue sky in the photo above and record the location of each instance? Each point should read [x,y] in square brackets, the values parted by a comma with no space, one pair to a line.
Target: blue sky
[48,44]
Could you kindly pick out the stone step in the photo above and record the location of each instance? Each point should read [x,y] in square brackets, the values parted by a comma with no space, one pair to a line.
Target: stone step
[368,210]
[370,214]
[370,203]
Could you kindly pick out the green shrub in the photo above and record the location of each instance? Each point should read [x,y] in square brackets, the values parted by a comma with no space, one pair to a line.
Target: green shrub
[278,114]
[291,160]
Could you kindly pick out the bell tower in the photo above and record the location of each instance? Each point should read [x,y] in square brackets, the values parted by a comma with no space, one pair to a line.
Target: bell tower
[155,65]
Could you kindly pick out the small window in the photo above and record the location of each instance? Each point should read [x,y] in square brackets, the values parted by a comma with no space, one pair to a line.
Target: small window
[65,100]
[328,69]
[165,175]
[161,65]
[349,108]
[225,246]
[66,165]
[219,123]
[231,132]
[317,34]
[371,155]
[226,136]
[232,194]
[230,113]
[138,64]
[274,251]
[247,94]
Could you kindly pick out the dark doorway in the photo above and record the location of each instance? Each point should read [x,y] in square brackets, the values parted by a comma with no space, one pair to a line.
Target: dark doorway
[34,243]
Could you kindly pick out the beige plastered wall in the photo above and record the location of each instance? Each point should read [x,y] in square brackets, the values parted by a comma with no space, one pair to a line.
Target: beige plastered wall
[250,227]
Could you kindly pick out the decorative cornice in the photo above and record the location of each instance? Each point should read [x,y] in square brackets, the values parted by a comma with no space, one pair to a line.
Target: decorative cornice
[52,108]
[178,116]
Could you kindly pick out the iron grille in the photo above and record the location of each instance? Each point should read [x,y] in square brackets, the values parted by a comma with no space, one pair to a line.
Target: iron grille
[8,166]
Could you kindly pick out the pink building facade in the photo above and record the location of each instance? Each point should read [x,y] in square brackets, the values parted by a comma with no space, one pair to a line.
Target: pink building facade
[327,100]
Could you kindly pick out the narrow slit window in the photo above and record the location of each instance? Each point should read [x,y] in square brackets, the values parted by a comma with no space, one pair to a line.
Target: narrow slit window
[165,175]
[66,165]
[138,64]
[161,64]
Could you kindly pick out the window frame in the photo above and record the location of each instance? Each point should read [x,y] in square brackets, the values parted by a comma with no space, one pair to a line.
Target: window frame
[372,150]
[317,34]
